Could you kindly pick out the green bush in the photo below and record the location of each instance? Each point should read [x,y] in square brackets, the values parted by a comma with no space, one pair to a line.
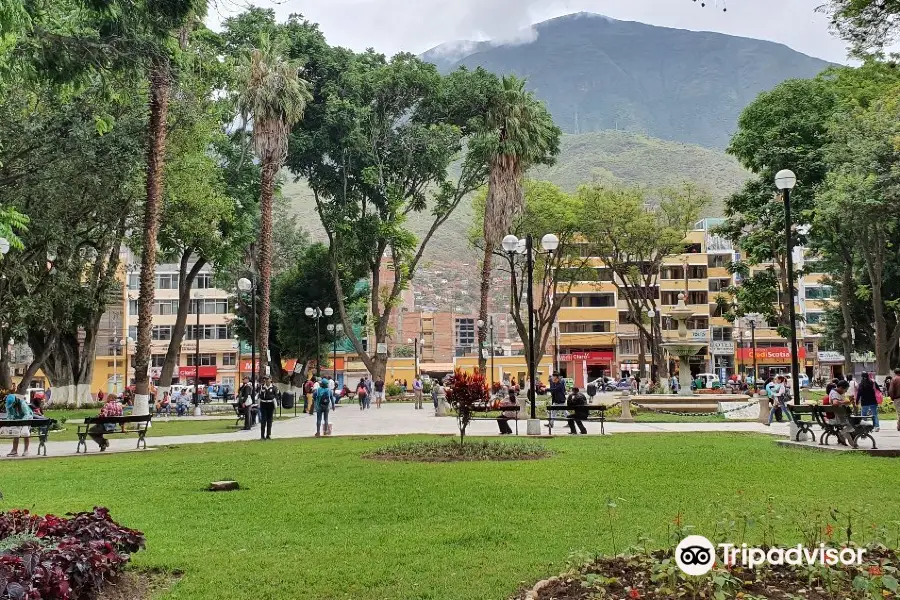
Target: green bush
[392,391]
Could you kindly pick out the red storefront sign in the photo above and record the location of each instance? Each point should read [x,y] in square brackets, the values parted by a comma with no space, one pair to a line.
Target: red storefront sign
[769,354]
[600,357]
[205,372]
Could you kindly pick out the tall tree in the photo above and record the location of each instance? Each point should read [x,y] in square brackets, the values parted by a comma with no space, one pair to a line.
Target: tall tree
[635,234]
[547,210]
[519,133]
[376,148]
[785,128]
[867,24]
[273,100]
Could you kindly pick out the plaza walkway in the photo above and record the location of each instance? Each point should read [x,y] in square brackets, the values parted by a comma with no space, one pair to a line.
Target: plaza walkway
[401,419]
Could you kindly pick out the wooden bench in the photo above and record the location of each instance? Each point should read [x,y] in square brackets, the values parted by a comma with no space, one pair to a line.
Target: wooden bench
[486,409]
[598,408]
[42,426]
[142,424]
[806,416]
[240,414]
[862,426]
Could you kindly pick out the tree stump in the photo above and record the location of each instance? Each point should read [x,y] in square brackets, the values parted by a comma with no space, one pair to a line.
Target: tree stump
[224,486]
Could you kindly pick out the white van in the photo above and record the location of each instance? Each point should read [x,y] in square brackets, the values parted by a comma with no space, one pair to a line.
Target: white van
[708,380]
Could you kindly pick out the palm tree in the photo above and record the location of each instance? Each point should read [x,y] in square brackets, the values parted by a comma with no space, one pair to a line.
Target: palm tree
[274,98]
[522,134]
[153,29]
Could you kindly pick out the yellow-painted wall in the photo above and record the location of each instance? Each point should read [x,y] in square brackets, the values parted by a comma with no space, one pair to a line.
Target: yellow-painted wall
[508,365]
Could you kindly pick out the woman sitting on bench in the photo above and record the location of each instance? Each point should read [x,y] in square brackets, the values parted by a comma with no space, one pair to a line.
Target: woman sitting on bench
[112,408]
[17,410]
[503,420]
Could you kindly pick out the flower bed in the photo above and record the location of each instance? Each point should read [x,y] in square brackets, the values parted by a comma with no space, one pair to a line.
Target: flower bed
[62,558]
[655,576]
[450,451]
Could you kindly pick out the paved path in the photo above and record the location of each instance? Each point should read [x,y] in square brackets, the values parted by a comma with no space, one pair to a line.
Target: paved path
[400,419]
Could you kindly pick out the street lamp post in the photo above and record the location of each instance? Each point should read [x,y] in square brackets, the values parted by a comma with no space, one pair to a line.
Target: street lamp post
[785,181]
[198,304]
[754,319]
[651,314]
[335,331]
[317,314]
[415,345]
[491,332]
[123,343]
[514,245]
[246,285]
[237,342]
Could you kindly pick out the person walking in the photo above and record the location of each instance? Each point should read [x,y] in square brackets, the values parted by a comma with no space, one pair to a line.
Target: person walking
[779,391]
[418,388]
[852,389]
[578,403]
[894,392]
[379,392]
[866,396]
[435,384]
[362,394]
[18,410]
[267,396]
[322,400]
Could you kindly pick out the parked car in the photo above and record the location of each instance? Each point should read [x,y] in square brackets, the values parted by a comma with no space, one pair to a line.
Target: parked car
[604,384]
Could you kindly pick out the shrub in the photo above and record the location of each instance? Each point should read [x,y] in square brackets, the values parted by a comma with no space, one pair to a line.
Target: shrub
[393,391]
[444,451]
[62,557]
[465,393]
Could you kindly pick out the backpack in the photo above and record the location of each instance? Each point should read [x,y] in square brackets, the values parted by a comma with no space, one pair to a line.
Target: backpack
[323,399]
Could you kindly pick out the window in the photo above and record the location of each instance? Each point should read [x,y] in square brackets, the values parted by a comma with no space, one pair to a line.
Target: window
[132,332]
[722,334]
[134,281]
[815,318]
[718,261]
[624,318]
[697,271]
[671,298]
[644,293]
[818,293]
[671,273]
[229,359]
[206,360]
[593,300]
[203,281]
[586,327]
[213,306]
[132,307]
[810,347]
[209,332]
[670,324]
[157,360]
[167,281]
[165,307]
[161,333]
[719,285]
[465,332]
[629,346]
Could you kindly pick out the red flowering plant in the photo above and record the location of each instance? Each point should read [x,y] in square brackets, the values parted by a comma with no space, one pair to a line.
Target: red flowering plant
[466,392]
[68,558]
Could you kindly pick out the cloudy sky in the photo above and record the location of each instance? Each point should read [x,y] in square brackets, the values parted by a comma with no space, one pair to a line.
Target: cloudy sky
[417,25]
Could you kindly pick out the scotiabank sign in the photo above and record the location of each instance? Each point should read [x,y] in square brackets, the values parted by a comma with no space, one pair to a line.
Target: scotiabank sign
[777,355]
[601,357]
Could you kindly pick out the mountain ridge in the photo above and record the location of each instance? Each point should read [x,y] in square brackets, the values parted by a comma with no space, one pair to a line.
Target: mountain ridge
[597,73]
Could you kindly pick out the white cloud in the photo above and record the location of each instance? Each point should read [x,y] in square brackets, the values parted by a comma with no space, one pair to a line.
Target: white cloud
[417,25]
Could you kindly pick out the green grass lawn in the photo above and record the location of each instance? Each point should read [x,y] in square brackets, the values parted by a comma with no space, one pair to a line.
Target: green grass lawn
[159,428]
[314,520]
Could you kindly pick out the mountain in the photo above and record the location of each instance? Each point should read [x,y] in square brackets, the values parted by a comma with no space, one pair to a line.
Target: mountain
[609,156]
[597,73]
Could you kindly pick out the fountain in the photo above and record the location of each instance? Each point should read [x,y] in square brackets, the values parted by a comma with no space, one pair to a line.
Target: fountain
[684,349]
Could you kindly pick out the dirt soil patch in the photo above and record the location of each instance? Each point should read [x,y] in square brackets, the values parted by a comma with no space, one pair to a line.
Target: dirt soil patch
[139,585]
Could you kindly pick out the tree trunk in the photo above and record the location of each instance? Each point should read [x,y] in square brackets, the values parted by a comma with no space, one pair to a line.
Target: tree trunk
[70,367]
[269,172]
[5,373]
[642,354]
[156,152]
[846,299]
[186,279]
[486,269]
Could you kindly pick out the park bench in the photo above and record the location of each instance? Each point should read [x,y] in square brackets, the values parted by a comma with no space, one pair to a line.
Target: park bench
[42,426]
[806,416]
[240,415]
[589,408]
[142,423]
[487,409]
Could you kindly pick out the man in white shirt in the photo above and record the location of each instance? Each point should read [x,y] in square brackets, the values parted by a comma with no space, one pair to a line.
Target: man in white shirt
[330,385]
[851,391]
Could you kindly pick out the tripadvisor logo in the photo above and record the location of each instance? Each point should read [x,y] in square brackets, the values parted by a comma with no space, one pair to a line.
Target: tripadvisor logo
[696,555]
